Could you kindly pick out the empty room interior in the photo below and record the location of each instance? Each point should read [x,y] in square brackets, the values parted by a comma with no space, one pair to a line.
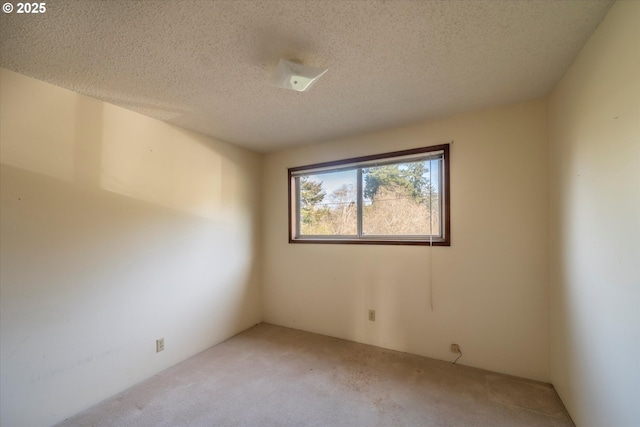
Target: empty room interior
[314,213]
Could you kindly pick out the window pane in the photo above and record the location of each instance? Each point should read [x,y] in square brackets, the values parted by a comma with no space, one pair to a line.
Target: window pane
[401,199]
[328,203]
[398,198]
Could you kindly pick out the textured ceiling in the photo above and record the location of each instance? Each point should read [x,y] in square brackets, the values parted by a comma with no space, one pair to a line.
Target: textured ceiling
[204,65]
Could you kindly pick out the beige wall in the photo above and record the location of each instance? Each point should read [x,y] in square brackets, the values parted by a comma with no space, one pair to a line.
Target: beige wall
[490,287]
[116,230]
[595,223]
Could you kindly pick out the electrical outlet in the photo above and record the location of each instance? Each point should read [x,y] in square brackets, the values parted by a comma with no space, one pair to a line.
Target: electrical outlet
[455,348]
[159,345]
[372,315]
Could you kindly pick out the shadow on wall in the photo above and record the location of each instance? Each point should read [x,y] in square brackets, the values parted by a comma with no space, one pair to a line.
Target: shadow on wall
[116,229]
[107,147]
[97,147]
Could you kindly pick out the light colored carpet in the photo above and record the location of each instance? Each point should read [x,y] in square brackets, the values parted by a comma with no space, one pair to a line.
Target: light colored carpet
[275,376]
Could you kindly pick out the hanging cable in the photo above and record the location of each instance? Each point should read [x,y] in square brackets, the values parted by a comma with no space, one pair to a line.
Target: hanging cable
[430,231]
[459,351]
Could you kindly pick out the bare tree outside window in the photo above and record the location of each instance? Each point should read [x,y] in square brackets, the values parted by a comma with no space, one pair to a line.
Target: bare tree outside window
[379,200]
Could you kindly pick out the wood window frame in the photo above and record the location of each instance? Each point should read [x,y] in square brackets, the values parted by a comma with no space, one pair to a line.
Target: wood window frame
[444,240]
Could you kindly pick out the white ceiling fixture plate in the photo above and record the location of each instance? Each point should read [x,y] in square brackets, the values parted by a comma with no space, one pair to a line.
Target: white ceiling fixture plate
[295,76]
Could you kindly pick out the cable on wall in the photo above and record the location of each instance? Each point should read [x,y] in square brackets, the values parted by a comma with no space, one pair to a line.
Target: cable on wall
[431,225]
[459,351]
[430,232]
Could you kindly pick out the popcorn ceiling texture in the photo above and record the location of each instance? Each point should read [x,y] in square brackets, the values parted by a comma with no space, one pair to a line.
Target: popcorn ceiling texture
[204,65]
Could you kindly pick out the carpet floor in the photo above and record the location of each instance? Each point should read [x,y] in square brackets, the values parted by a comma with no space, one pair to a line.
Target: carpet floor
[274,376]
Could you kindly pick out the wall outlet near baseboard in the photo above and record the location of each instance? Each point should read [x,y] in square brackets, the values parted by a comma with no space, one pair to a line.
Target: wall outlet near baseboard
[372,315]
[455,348]
[159,345]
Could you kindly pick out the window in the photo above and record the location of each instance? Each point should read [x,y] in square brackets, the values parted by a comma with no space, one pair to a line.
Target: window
[397,198]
